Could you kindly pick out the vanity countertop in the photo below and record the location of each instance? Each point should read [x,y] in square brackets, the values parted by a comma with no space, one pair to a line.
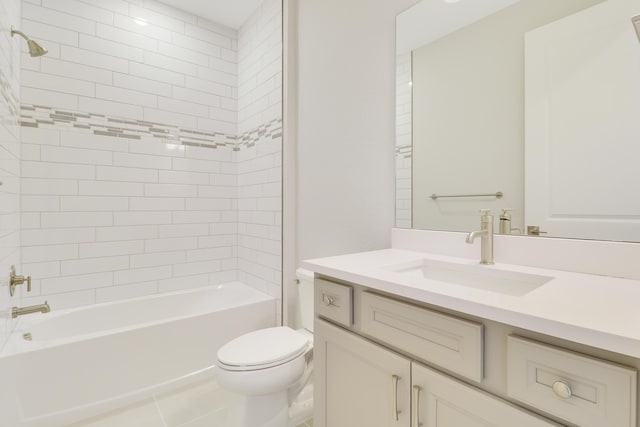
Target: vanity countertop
[599,311]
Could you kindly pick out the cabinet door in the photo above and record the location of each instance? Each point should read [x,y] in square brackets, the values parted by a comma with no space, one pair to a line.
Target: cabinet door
[358,383]
[441,401]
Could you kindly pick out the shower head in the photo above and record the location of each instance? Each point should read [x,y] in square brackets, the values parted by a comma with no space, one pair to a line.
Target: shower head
[636,24]
[34,48]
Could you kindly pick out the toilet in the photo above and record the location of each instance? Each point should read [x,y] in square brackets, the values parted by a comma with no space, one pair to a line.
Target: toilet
[269,370]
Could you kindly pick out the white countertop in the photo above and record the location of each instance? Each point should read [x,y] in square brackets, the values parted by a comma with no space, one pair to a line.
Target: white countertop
[598,311]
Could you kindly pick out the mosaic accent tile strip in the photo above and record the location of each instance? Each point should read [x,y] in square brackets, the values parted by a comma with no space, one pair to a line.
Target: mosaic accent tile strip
[8,101]
[405,151]
[100,124]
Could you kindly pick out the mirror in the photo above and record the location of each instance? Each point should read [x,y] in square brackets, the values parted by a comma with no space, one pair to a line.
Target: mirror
[531,106]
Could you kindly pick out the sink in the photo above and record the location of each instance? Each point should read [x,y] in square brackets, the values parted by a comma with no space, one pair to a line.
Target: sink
[473,276]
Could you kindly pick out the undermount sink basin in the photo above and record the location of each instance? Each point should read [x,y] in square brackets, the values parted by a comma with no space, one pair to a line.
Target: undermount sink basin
[478,277]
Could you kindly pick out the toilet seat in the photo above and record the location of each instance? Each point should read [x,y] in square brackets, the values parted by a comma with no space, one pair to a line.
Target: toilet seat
[261,349]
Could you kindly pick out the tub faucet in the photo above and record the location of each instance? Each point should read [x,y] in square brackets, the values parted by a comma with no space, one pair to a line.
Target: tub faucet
[19,311]
[486,233]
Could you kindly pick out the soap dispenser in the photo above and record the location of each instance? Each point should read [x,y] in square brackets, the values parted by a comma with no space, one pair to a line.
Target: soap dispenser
[505,221]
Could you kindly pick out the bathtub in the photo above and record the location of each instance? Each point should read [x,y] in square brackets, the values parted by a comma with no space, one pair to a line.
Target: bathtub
[86,361]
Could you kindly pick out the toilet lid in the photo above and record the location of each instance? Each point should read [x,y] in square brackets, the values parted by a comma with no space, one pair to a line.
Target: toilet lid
[263,347]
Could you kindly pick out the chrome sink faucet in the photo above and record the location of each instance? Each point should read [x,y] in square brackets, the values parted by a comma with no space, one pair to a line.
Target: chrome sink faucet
[486,233]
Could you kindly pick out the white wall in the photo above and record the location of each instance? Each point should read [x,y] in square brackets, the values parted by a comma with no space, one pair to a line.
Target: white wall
[132,156]
[346,121]
[9,159]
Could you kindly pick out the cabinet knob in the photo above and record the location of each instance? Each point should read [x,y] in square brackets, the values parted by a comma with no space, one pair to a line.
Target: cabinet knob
[562,389]
[327,300]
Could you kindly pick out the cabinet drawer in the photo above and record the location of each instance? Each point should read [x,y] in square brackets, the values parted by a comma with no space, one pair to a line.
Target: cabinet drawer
[579,389]
[334,301]
[445,341]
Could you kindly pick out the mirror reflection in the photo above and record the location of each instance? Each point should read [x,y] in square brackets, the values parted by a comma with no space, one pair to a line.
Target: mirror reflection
[528,108]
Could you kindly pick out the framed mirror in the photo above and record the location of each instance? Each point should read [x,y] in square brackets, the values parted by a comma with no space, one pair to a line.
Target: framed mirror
[530,108]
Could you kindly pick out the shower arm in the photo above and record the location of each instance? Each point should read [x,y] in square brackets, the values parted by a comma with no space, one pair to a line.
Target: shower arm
[20,33]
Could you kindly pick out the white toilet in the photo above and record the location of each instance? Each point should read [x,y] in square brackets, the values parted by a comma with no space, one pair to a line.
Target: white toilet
[270,370]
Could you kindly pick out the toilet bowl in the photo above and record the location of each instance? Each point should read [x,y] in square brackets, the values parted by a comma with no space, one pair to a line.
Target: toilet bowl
[269,371]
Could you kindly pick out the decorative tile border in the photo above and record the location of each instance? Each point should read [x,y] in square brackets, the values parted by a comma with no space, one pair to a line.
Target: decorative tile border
[405,151]
[100,124]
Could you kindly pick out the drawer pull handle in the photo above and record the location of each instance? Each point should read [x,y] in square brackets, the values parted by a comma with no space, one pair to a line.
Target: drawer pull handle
[327,300]
[394,400]
[415,422]
[562,389]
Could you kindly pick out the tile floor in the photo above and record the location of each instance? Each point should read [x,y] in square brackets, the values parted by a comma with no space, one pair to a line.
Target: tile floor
[202,404]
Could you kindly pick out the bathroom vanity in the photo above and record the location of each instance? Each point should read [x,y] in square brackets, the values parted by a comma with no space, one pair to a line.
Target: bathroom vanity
[408,338]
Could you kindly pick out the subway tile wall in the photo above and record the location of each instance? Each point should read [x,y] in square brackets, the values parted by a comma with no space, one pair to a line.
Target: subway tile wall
[136,172]
[9,158]
[403,141]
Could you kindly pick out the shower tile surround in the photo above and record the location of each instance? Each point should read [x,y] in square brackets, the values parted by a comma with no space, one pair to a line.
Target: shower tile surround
[150,151]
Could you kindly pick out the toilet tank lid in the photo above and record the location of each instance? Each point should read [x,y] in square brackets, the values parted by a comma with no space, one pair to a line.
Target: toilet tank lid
[264,346]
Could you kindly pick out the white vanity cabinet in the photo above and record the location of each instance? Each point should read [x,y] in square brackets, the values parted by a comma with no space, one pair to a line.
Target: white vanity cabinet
[385,361]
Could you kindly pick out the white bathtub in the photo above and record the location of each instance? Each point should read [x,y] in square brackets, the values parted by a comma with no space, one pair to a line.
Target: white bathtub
[85,361]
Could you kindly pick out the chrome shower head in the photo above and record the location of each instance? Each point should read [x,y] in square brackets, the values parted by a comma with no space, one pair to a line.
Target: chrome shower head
[636,24]
[34,48]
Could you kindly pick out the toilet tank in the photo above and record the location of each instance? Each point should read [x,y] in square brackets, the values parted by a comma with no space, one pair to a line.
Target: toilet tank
[305,298]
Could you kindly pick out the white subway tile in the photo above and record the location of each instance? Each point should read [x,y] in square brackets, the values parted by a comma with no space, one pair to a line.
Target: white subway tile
[223,179]
[62,301]
[80,9]
[225,65]
[141,161]
[207,86]
[172,177]
[43,32]
[195,165]
[157,148]
[126,96]
[94,59]
[156,204]
[47,97]
[209,254]
[92,141]
[119,6]
[183,230]
[188,55]
[209,154]
[141,218]
[93,204]
[64,20]
[40,136]
[176,119]
[76,155]
[222,114]
[155,18]
[142,274]
[217,126]
[170,11]
[41,270]
[170,244]
[185,282]
[208,36]
[111,108]
[217,28]
[223,228]
[157,74]
[117,293]
[208,204]
[49,186]
[126,37]
[157,259]
[168,63]
[113,173]
[75,219]
[49,253]
[110,188]
[211,266]
[195,96]
[191,43]
[57,170]
[191,217]
[216,191]
[149,30]
[39,80]
[75,283]
[94,265]
[111,48]
[57,236]
[40,203]
[75,70]
[106,249]
[141,84]
[135,232]
[183,107]
[223,277]
[29,220]
[213,75]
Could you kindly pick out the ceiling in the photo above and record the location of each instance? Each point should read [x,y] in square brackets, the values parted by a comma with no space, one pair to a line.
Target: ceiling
[232,13]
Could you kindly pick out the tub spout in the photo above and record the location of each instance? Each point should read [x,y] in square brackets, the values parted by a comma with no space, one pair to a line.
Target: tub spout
[19,311]
[474,235]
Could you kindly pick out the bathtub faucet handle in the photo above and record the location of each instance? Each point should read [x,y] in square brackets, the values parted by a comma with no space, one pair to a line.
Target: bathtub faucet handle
[15,280]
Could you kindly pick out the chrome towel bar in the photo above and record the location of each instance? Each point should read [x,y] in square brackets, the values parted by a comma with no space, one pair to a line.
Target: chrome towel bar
[497,195]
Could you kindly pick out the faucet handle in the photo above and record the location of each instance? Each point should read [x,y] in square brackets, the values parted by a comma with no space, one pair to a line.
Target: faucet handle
[485,212]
